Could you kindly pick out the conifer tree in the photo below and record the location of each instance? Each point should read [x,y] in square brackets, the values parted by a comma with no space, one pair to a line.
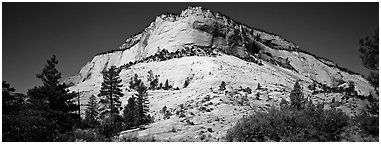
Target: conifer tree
[259,86]
[130,113]
[166,85]
[369,47]
[160,85]
[54,98]
[296,96]
[91,112]
[150,78]
[134,81]
[143,109]
[11,101]
[110,93]
[155,83]
[223,86]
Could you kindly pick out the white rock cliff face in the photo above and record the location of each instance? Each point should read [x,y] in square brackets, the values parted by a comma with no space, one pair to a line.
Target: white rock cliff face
[195,26]
[283,64]
[166,32]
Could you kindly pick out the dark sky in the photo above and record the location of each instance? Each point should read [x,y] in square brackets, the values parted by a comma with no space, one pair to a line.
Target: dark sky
[75,32]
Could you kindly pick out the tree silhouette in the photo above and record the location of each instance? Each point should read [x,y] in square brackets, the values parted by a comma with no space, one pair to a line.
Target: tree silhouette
[134,81]
[369,51]
[91,112]
[110,93]
[166,85]
[130,113]
[155,83]
[369,56]
[142,99]
[11,101]
[54,98]
[150,78]
[296,96]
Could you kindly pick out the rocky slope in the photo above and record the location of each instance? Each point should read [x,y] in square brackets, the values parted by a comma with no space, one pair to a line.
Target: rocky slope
[240,55]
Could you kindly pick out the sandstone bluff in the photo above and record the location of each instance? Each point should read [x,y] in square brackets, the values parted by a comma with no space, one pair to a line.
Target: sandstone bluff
[207,48]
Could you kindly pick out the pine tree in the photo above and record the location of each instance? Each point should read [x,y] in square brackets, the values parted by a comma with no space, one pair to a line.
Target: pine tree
[155,83]
[134,81]
[54,98]
[166,85]
[150,78]
[130,113]
[143,109]
[110,93]
[11,101]
[160,85]
[259,86]
[91,112]
[369,48]
[296,96]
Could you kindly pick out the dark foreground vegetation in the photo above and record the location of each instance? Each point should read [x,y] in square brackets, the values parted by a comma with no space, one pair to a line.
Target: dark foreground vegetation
[300,121]
[51,112]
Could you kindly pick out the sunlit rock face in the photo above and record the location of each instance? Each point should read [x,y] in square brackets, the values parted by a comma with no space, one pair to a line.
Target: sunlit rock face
[246,57]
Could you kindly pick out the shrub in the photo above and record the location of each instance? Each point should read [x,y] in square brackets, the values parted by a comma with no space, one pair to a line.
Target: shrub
[257,96]
[368,123]
[167,114]
[173,129]
[288,124]
[248,90]
[147,139]
[202,108]
[186,82]
[223,86]
[189,122]
[88,135]
[181,106]
[182,115]
[135,138]
[373,104]
[283,103]
[207,98]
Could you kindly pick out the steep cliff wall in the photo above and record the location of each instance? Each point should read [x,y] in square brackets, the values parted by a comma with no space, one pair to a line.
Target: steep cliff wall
[196,26]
